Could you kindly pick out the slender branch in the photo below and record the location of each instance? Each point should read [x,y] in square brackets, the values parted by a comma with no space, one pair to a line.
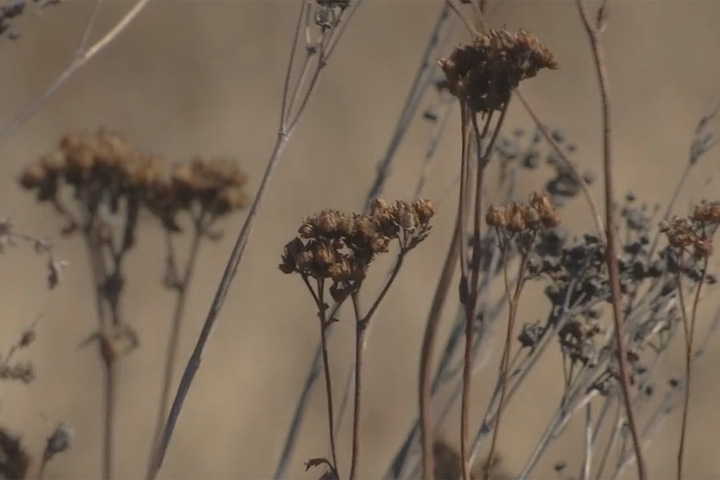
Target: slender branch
[505,366]
[285,132]
[587,461]
[427,350]
[360,326]
[182,287]
[595,37]
[81,58]
[689,341]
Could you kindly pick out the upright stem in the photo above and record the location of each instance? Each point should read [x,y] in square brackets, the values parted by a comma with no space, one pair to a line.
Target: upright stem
[689,341]
[109,413]
[324,324]
[360,327]
[174,340]
[594,35]
[426,351]
[505,364]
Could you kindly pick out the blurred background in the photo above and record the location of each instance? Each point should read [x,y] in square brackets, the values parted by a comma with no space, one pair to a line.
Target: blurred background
[205,77]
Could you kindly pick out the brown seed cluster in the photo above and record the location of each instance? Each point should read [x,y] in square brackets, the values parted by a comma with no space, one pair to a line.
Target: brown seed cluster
[340,247]
[535,215]
[694,231]
[484,74]
[103,166]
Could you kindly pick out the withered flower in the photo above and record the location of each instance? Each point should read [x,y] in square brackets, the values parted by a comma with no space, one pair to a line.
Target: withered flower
[535,215]
[334,245]
[484,73]
[103,167]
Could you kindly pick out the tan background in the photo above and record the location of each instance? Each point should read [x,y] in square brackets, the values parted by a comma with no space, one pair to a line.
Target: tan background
[205,77]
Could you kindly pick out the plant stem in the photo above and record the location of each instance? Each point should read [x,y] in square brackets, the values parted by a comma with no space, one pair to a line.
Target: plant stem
[109,412]
[182,287]
[594,35]
[426,351]
[360,327]
[689,341]
[505,366]
[286,129]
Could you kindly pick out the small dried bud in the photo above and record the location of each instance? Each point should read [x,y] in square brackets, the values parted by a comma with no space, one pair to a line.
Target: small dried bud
[425,210]
[497,216]
[516,219]
[33,176]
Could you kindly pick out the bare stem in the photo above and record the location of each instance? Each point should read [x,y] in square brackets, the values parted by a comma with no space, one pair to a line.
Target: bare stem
[505,367]
[108,413]
[595,36]
[285,132]
[427,351]
[689,329]
[360,327]
[182,287]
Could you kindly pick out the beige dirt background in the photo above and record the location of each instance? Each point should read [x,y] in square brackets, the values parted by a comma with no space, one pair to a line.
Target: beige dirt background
[205,77]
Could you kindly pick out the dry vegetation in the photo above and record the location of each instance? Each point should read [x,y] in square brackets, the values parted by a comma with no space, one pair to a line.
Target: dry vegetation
[617,298]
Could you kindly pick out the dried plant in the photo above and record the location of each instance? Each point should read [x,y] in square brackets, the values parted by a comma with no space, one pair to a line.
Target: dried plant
[652,269]
[100,186]
[332,254]
[482,76]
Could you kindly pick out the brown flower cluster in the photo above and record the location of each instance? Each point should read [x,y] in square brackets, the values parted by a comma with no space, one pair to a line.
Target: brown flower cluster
[535,215]
[484,74]
[102,166]
[694,231]
[340,247]
[214,185]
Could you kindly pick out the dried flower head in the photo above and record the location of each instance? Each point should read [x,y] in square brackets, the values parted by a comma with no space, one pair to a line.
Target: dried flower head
[535,215]
[340,247]
[483,74]
[103,170]
[696,230]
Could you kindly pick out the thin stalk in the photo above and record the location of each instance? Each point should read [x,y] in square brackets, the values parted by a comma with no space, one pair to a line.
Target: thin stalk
[505,367]
[360,327]
[594,35]
[182,287]
[689,341]
[99,274]
[587,462]
[286,129]
[108,412]
[467,299]
[324,324]
[427,350]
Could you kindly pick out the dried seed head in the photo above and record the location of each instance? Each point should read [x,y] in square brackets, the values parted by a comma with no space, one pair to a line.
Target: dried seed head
[535,215]
[484,73]
[103,168]
[497,216]
[331,244]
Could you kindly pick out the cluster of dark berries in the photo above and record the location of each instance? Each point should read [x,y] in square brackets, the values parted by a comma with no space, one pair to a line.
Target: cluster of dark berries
[483,74]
